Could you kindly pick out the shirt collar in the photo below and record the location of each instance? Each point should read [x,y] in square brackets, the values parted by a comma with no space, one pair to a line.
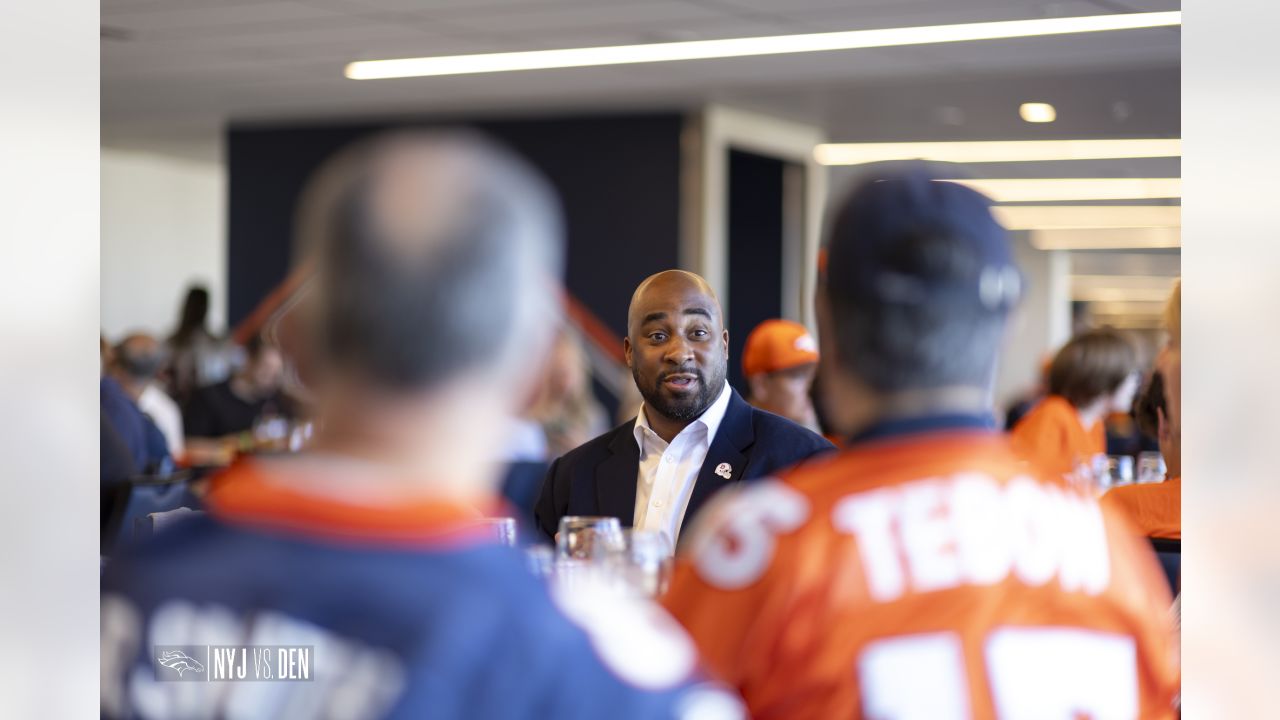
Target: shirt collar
[899,427]
[710,419]
[252,493]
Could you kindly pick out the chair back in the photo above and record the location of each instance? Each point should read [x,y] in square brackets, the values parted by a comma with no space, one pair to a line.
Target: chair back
[1170,553]
[139,498]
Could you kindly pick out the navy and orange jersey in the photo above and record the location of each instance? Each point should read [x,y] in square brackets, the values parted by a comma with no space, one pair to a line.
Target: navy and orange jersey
[926,574]
[412,611]
[1051,435]
[1155,509]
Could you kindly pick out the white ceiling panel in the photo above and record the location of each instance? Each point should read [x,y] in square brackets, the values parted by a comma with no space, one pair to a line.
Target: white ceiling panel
[1149,46]
[705,29]
[631,17]
[207,16]
[188,64]
[454,6]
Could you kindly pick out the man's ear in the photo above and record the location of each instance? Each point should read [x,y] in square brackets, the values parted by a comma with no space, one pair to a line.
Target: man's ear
[626,350]
[755,383]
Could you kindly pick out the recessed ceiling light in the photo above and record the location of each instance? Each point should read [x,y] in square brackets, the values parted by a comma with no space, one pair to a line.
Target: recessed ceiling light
[997,151]
[1075,189]
[749,46]
[1086,217]
[1037,112]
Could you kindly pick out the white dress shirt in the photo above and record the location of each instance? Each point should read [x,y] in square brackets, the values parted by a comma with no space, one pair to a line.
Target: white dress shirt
[669,471]
[164,412]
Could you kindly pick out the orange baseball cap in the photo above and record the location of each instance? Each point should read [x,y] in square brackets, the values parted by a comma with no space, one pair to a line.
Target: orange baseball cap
[778,345]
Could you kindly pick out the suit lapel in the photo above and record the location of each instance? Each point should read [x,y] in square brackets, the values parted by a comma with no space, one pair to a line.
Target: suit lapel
[616,477]
[734,435]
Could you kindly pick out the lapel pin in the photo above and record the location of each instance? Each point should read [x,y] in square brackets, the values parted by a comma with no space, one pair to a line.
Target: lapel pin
[724,470]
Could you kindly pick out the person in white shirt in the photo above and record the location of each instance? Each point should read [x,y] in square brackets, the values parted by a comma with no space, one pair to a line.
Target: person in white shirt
[692,436]
[137,361]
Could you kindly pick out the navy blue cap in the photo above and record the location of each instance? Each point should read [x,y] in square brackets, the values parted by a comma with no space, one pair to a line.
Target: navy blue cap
[905,237]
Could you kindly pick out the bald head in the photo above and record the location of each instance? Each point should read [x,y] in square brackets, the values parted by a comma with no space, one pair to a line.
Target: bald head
[657,288]
[140,357]
[436,253]
[677,348]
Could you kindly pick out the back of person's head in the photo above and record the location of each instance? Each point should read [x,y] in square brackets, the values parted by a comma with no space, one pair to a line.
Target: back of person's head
[194,313]
[1149,405]
[140,357]
[1093,364]
[920,279]
[436,255]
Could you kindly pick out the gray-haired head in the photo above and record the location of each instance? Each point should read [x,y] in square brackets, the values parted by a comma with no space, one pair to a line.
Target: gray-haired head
[436,253]
[140,357]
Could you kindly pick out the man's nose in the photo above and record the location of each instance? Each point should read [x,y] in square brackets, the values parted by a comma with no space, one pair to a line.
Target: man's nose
[679,351]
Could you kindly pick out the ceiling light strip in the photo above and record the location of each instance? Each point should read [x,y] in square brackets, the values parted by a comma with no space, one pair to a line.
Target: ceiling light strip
[1107,239]
[750,46]
[997,151]
[1075,189]
[1087,217]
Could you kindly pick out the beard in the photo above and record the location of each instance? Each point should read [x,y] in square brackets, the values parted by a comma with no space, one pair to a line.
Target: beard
[682,408]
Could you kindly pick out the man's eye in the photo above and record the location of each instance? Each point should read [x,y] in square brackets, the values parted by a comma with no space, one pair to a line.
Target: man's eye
[700,333]
[657,337]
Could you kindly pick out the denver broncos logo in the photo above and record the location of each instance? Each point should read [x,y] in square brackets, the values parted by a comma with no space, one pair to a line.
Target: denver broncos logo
[179,661]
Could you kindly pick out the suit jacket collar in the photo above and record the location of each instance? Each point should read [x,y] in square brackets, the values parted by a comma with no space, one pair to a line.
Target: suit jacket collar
[616,477]
[726,459]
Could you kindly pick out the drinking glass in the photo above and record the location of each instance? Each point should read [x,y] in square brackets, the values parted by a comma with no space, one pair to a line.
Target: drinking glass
[300,433]
[1092,475]
[645,562]
[504,529]
[589,538]
[271,432]
[1151,467]
[1119,470]
[541,560]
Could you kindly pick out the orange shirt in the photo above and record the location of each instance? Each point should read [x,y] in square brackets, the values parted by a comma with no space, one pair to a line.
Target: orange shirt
[1051,436]
[1155,508]
[926,576]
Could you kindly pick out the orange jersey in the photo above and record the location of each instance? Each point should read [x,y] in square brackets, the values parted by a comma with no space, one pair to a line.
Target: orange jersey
[926,576]
[1155,509]
[1051,436]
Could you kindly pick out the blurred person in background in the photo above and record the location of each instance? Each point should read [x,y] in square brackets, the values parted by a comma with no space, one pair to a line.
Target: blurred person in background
[1169,360]
[138,360]
[567,408]
[779,362]
[1156,508]
[1092,376]
[922,572]
[129,426]
[694,434]
[233,406]
[438,258]
[561,414]
[197,358]
[525,456]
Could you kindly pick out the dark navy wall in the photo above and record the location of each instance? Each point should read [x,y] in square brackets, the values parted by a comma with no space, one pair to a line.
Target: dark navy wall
[755,250]
[618,177]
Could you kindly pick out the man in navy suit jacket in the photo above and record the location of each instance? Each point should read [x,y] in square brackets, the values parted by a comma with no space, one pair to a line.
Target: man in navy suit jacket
[694,434]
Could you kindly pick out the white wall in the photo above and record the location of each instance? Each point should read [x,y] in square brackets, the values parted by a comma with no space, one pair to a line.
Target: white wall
[1042,322]
[163,227]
